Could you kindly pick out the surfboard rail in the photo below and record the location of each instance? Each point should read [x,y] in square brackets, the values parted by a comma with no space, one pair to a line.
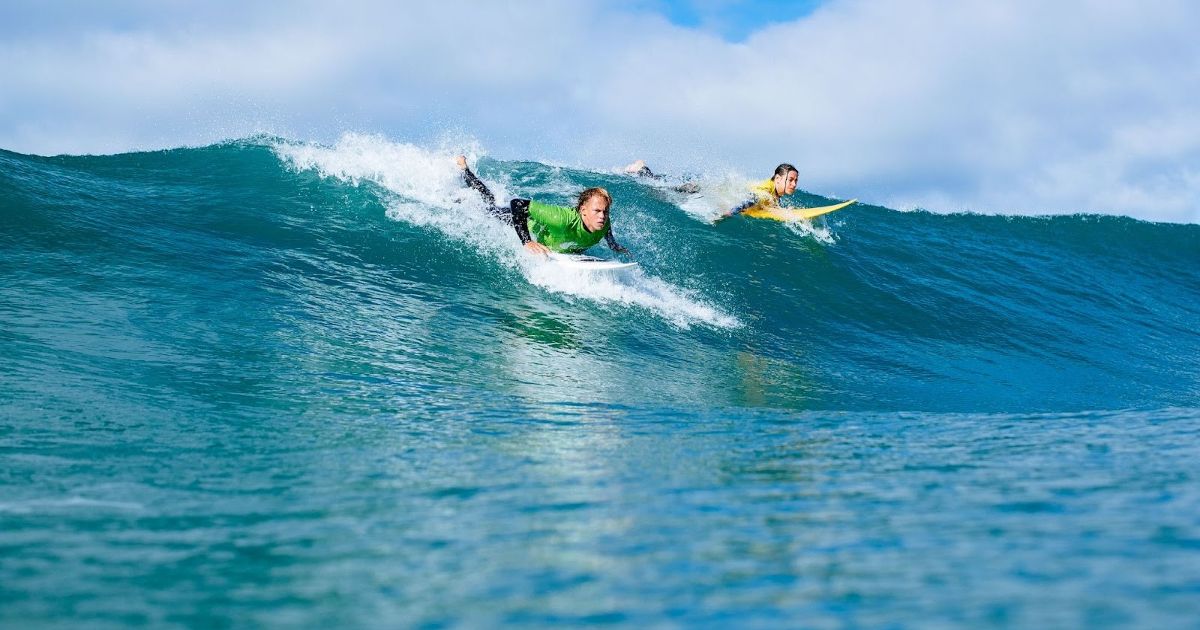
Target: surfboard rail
[796,214]
[583,262]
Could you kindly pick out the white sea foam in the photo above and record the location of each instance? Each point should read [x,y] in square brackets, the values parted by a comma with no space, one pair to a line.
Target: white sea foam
[817,231]
[717,194]
[33,506]
[631,287]
[425,188]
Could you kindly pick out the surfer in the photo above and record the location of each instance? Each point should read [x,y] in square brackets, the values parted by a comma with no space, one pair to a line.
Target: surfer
[639,169]
[544,228]
[766,194]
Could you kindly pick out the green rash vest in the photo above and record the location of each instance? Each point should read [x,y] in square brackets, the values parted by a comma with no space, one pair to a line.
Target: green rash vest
[561,229]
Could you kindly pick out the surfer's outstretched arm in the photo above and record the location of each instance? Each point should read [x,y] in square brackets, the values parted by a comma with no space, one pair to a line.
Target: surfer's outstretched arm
[612,243]
[516,214]
[474,182]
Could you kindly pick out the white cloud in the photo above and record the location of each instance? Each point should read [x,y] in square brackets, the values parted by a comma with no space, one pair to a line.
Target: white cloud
[1020,106]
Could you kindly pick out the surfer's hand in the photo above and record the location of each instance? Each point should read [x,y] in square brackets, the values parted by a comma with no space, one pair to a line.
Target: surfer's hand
[461,161]
[621,250]
[535,247]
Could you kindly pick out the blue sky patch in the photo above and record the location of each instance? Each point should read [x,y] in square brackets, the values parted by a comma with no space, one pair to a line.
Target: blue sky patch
[733,20]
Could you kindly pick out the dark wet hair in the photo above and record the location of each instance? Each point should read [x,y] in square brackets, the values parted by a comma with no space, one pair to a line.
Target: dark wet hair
[784,169]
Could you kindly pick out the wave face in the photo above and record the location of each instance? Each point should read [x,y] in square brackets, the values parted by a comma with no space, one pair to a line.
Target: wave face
[372,254]
[187,332]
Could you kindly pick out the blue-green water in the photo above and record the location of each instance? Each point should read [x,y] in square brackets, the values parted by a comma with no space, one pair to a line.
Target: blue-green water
[267,383]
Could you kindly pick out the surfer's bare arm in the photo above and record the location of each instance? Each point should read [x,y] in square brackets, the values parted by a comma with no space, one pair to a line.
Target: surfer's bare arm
[613,244]
[520,221]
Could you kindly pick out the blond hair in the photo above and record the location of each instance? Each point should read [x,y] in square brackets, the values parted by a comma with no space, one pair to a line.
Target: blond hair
[586,196]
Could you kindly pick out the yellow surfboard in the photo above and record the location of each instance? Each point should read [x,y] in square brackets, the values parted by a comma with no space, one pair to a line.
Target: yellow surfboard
[795,214]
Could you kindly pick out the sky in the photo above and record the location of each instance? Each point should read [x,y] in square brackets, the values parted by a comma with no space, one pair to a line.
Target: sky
[732,20]
[1015,107]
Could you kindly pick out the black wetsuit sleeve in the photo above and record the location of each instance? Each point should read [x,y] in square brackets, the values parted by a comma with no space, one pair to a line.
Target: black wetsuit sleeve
[477,184]
[612,243]
[520,218]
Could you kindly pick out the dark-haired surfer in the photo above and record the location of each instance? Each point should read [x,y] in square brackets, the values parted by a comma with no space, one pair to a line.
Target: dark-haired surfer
[544,228]
[766,194]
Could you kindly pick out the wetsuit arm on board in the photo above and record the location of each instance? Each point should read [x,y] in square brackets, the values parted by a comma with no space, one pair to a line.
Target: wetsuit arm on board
[519,209]
[612,243]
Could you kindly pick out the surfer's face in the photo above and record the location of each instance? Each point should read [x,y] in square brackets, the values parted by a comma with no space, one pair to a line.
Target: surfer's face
[594,211]
[786,185]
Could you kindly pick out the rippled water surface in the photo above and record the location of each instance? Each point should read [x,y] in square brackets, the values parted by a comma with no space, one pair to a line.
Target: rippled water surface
[275,384]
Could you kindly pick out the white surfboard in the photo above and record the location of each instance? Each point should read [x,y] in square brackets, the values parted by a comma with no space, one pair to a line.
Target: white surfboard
[582,262]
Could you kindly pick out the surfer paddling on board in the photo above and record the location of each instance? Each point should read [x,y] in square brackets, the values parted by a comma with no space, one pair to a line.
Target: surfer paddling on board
[766,194]
[545,229]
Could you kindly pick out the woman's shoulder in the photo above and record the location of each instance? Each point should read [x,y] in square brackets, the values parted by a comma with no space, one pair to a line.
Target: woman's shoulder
[765,188]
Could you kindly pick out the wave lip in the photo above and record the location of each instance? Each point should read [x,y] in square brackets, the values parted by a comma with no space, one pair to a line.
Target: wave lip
[422,187]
